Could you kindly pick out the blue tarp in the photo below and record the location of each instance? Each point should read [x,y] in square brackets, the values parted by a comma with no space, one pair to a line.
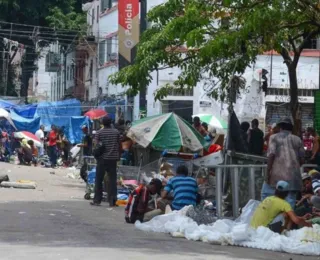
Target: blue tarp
[25,124]
[58,113]
[111,106]
[74,131]
[26,111]
[6,104]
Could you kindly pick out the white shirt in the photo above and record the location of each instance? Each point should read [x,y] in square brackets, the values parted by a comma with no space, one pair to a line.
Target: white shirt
[40,135]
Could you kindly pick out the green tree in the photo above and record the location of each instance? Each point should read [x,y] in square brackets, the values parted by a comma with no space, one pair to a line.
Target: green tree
[29,21]
[214,40]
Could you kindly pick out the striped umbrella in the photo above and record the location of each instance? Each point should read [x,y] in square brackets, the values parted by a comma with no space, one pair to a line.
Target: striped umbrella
[166,132]
[213,121]
[28,136]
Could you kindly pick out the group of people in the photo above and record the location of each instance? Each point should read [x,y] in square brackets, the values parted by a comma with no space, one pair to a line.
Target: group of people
[288,199]
[285,189]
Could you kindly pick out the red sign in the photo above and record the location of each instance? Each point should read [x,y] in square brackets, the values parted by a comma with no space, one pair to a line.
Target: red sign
[129,29]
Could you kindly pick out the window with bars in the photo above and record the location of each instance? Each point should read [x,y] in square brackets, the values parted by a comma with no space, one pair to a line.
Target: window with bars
[98,13]
[102,52]
[93,16]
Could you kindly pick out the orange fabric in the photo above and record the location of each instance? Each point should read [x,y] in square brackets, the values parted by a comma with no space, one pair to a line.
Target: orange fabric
[213,149]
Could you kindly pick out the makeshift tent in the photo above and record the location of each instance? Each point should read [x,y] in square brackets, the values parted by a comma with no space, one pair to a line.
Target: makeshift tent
[5,115]
[111,105]
[26,111]
[58,113]
[25,124]
[74,132]
[6,104]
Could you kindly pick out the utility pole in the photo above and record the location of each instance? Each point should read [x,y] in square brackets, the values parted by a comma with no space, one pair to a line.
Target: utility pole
[143,27]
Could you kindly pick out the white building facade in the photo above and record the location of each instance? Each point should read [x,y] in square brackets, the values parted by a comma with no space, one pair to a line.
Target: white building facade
[253,102]
[55,74]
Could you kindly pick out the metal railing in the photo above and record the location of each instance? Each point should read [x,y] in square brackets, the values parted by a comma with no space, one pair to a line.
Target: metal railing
[235,179]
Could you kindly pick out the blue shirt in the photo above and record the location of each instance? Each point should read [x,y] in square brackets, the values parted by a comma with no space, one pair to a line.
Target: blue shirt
[184,191]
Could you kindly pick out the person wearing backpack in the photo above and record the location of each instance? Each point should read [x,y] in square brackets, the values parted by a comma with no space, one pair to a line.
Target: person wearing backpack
[138,201]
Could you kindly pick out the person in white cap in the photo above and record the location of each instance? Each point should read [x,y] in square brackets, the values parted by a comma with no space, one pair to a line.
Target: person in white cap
[276,213]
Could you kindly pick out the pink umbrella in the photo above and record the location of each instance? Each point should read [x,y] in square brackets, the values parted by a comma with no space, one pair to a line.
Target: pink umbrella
[28,136]
[96,114]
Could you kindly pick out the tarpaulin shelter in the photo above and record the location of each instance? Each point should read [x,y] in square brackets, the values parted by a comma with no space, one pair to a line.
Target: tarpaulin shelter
[6,104]
[58,113]
[26,111]
[25,124]
[74,132]
[111,105]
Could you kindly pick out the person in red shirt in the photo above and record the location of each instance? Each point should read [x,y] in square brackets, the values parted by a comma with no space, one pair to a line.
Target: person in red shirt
[52,146]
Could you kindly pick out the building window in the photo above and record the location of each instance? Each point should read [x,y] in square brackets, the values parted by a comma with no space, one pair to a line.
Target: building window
[109,48]
[102,52]
[98,13]
[107,4]
[92,16]
[104,5]
[91,69]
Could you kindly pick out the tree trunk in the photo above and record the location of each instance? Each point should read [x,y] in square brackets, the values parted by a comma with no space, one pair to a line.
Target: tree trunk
[294,100]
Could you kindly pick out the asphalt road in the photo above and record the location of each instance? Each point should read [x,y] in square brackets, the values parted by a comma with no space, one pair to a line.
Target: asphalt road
[55,222]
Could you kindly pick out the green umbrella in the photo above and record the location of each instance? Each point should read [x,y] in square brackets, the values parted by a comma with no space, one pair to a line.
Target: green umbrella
[213,121]
[166,132]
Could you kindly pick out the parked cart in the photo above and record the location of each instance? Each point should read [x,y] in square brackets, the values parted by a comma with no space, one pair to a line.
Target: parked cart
[89,165]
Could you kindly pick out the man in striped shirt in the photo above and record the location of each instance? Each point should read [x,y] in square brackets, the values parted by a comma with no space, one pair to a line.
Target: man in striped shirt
[110,138]
[184,189]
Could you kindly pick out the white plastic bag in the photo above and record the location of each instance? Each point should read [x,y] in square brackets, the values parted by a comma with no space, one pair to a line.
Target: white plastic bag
[247,212]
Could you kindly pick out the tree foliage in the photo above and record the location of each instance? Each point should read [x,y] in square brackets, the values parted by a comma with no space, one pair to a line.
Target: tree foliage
[31,21]
[212,40]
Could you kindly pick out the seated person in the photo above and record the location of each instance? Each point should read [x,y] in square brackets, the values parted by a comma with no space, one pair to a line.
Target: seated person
[24,152]
[138,201]
[126,146]
[306,191]
[315,199]
[34,150]
[184,188]
[268,211]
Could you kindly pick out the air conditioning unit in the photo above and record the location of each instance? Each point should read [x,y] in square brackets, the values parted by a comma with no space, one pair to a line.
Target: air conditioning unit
[113,56]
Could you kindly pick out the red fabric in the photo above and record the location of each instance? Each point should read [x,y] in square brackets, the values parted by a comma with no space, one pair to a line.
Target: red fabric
[213,149]
[52,138]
